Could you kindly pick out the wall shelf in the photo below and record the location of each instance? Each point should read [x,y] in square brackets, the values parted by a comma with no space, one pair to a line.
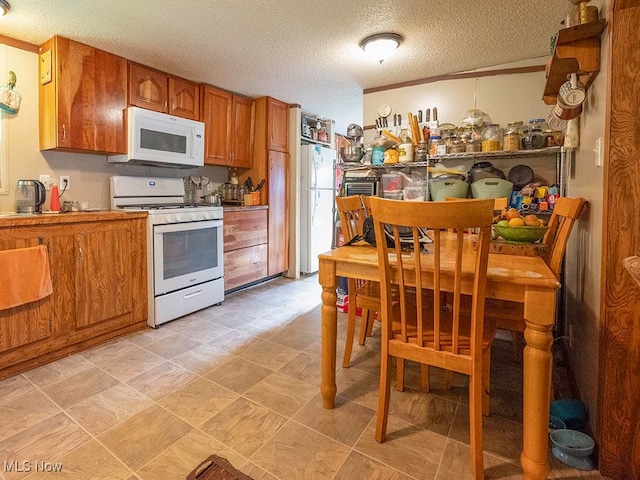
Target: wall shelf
[577,50]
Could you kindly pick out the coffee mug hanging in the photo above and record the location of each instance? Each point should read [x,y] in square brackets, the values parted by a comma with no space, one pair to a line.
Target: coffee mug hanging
[10,99]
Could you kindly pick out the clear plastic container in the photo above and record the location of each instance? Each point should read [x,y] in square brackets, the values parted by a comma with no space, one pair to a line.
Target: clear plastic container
[393,195]
[415,193]
[434,142]
[392,182]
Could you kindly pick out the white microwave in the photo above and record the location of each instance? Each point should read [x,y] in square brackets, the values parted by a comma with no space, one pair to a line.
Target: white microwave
[164,140]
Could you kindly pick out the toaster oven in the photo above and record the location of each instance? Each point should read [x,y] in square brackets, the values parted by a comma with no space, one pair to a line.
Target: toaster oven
[361,186]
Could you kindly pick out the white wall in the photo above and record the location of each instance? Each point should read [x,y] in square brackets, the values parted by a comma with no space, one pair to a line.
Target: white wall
[584,251]
[89,174]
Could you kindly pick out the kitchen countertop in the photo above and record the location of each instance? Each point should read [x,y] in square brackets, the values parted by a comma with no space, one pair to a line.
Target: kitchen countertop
[238,208]
[9,219]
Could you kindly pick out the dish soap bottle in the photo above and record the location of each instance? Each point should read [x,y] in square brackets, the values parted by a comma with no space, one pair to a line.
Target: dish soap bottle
[234,178]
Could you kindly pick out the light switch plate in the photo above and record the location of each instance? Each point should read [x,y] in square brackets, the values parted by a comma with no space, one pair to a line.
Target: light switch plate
[599,151]
[45,68]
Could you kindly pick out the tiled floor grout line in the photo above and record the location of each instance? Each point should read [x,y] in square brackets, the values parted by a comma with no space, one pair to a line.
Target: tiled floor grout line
[91,436]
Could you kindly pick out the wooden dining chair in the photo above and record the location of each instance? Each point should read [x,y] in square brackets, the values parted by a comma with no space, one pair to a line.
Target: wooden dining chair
[510,315]
[415,327]
[363,294]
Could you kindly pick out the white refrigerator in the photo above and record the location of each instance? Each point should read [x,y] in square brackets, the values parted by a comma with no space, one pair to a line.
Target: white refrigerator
[316,204]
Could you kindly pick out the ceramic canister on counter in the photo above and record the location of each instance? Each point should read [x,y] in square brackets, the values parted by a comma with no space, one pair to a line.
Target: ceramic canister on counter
[405,153]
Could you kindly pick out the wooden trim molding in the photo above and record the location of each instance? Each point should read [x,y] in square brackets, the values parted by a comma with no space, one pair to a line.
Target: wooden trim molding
[14,42]
[457,76]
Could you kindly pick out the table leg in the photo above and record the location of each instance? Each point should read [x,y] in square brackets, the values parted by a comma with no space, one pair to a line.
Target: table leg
[539,314]
[328,280]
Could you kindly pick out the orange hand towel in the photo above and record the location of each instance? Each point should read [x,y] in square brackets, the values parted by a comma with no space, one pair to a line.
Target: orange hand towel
[24,276]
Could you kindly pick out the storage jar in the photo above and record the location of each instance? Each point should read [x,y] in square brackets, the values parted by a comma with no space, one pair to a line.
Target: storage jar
[434,142]
[513,136]
[491,138]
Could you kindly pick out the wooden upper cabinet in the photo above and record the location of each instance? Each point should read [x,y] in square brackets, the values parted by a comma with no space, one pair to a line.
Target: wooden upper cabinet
[82,98]
[184,98]
[277,125]
[216,115]
[160,92]
[243,126]
[148,88]
[229,125]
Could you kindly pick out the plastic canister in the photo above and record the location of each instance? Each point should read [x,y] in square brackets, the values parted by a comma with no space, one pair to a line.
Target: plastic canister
[434,142]
[377,155]
[390,155]
[405,152]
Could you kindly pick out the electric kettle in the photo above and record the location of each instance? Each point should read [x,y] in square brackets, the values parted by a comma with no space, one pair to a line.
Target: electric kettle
[30,195]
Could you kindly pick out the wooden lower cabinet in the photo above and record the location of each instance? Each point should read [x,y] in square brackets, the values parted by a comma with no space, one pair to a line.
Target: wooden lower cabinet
[98,272]
[245,247]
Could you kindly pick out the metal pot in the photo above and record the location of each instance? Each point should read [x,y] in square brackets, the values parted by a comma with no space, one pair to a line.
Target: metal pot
[480,170]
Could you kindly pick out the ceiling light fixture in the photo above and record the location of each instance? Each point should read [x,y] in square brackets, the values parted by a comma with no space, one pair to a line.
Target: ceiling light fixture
[381,45]
[4,5]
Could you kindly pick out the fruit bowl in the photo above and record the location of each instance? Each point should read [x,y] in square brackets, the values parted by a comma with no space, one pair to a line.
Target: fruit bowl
[520,235]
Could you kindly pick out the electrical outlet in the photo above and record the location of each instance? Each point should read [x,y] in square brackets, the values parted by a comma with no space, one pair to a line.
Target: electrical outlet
[65,183]
[46,181]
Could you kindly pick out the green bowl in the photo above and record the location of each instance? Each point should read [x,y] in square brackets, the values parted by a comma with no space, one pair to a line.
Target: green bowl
[520,235]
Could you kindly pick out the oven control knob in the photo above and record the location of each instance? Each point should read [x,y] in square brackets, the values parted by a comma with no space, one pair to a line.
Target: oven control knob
[170,219]
[208,216]
[195,217]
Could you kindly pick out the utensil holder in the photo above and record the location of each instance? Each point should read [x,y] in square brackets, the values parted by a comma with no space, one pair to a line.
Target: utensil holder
[248,199]
[255,198]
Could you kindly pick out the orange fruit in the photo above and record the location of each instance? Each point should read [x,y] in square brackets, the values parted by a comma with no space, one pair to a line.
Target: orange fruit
[516,222]
[531,220]
[511,213]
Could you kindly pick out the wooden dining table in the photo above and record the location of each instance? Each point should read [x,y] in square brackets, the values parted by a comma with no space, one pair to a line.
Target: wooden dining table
[518,278]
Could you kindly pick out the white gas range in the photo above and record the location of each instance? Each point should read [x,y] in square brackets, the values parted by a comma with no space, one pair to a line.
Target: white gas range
[184,245]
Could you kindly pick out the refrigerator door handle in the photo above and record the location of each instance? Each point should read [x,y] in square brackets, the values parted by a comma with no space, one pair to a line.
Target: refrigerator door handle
[314,183]
[315,205]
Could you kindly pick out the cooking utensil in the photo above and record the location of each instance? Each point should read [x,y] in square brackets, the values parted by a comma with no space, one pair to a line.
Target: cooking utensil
[260,185]
[427,115]
[419,116]
[196,181]
[520,175]
[435,114]
[204,180]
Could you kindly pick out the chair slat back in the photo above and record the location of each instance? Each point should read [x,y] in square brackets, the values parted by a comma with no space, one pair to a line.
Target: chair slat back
[352,215]
[565,212]
[419,297]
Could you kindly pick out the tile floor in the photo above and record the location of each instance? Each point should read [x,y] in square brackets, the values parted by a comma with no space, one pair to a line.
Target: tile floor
[241,380]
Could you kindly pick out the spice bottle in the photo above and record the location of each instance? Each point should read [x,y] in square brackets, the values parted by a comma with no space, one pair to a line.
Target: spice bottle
[434,142]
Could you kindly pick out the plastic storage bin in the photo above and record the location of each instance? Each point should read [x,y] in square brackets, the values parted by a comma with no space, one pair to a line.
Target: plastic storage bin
[392,182]
[448,188]
[415,193]
[393,194]
[491,188]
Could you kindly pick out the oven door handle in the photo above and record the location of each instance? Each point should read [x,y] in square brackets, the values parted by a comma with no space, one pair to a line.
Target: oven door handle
[181,227]
[192,294]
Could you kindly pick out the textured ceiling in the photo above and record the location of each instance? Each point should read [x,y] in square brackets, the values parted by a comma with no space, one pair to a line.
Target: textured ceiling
[296,50]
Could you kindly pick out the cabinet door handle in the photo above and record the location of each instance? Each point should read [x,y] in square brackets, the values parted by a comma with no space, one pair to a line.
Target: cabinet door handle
[64,132]
[80,253]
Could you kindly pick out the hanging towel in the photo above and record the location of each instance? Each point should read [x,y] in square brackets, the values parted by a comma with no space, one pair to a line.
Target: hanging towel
[24,276]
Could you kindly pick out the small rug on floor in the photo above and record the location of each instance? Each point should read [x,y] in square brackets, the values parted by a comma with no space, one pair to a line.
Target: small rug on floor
[217,468]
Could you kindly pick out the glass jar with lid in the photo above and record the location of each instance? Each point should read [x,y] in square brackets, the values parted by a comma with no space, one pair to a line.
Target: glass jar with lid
[513,136]
[491,138]
[535,136]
